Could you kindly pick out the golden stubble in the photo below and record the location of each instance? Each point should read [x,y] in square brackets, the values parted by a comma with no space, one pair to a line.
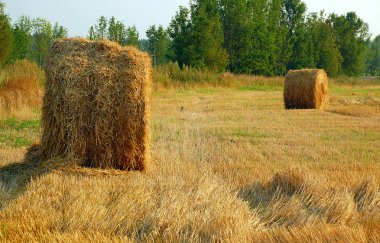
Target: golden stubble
[227,165]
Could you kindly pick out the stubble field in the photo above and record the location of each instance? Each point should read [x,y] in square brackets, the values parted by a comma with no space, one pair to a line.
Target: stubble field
[227,164]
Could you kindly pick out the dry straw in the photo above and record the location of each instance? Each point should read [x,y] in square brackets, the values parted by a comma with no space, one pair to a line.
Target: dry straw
[19,89]
[306,89]
[96,104]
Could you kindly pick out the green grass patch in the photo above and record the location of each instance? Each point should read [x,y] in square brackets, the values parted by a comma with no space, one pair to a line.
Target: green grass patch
[359,91]
[21,142]
[17,125]
[19,133]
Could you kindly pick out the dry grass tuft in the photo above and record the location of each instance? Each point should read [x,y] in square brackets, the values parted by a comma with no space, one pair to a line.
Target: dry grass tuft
[289,181]
[306,89]
[356,111]
[22,75]
[357,106]
[96,105]
[171,76]
[20,90]
[367,194]
[319,233]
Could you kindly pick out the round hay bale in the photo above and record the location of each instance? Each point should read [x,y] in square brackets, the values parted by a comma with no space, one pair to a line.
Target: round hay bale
[96,104]
[306,89]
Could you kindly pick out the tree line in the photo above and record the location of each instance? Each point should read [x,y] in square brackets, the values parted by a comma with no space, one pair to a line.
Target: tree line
[27,38]
[259,37]
[269,37]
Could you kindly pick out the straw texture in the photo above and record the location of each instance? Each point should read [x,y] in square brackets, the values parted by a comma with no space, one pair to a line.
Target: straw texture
[96,104]
[306,89]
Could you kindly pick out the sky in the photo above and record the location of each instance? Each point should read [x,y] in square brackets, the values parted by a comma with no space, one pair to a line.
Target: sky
[78,15]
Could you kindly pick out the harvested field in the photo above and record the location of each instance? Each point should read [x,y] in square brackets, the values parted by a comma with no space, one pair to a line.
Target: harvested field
[230,165]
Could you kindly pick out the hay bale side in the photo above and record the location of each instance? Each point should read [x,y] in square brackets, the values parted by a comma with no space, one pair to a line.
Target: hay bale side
[97,103]
[306,89]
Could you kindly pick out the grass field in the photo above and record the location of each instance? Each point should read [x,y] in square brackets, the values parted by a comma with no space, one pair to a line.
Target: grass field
[228,164]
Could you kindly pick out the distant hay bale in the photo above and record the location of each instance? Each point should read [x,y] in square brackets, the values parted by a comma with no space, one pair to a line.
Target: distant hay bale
[96,104]
[306,89]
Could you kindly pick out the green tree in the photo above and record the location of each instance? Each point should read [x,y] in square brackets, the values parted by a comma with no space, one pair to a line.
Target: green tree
[121,33]
[352,37]
[207,36]
[279,49]
[132,37]
[42,37]
[158,44]
[260,36]
[373,57]
[179,32]
[91,33]
[5,35]
[116,31]
[112,31]
[237,27]
[59,32]
[21,39]
[101,29]
[326,53]
[294,20]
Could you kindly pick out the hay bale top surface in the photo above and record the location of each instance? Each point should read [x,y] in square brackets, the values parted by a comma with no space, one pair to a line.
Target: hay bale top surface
[78,41]
[103,50]
[307,75]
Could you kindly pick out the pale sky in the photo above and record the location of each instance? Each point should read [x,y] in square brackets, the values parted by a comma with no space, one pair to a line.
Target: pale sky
[79,15]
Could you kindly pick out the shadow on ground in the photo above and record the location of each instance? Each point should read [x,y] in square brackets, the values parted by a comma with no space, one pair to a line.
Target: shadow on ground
[15,177]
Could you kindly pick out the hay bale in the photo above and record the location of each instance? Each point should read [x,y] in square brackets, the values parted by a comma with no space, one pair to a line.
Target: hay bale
[96,104]
[306,89]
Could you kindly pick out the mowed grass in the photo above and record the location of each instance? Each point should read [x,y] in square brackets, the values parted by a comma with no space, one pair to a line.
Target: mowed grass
[228,164]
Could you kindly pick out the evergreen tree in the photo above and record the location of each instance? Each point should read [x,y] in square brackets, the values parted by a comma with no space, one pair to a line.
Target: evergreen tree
[207,36]
[5,35]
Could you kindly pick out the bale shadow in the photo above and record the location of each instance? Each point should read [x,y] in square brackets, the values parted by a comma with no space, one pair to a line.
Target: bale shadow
[256,194]
[15,177]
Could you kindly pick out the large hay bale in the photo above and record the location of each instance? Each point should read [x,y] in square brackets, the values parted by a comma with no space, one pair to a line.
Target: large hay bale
[306,89]
[96,104]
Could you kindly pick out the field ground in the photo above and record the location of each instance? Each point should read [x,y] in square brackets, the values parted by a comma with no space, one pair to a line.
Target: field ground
[228,164]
